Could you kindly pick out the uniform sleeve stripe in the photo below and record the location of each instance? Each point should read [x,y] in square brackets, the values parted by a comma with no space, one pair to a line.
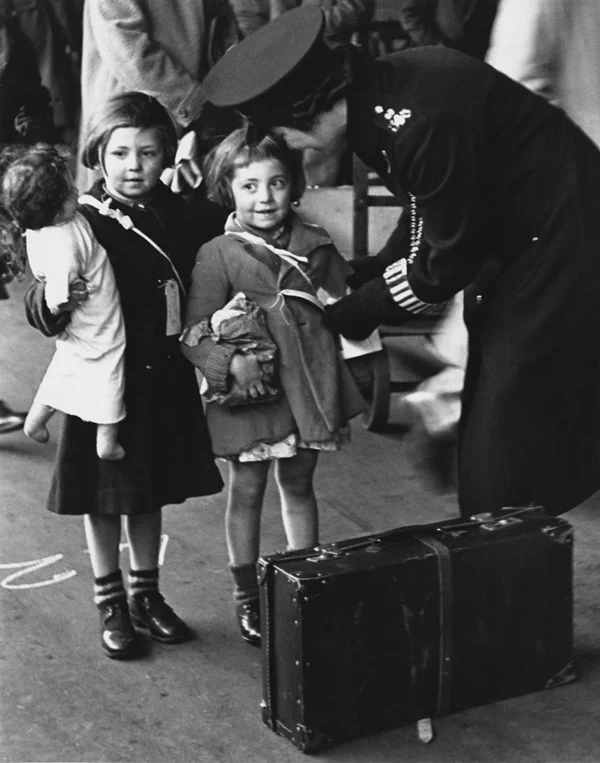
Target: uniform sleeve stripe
[396,279]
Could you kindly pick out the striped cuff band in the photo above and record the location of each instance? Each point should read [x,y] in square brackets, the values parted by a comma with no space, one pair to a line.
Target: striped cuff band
[396,278]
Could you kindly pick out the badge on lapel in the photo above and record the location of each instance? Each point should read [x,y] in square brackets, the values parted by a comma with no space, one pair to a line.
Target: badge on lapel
[391,119]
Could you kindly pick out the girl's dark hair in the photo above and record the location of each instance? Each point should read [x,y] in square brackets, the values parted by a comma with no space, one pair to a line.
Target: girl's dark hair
[128,110]
[234,152]
[34,185]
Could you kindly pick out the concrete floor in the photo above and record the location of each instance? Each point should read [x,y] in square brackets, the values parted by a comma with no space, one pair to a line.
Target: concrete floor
[61,700]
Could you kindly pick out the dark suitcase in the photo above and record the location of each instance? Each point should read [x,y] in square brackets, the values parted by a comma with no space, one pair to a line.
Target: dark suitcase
[375,632]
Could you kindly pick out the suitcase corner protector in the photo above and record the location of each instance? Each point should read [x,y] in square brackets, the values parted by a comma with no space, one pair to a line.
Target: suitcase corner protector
[564,676]
[309,740]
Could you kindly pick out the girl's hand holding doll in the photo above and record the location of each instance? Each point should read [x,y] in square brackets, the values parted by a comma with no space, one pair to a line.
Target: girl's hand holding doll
[247,374]
[78,293]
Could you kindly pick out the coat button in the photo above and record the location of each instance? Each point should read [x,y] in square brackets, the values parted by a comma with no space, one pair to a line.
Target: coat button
[148,368]
[479,299]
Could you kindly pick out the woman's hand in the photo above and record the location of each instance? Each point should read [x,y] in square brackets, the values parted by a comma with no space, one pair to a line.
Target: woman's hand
[78,293]
[247,375]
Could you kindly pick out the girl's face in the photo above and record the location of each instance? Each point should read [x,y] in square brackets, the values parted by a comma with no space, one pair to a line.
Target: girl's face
[133,162]
[262,193]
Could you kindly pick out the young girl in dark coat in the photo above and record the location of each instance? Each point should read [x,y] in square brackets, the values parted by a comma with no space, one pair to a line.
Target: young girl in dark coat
[151,245]
[279,262]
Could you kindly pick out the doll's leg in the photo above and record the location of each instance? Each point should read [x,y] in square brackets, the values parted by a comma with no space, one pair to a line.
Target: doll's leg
[35,423]
[247,483]
[107,446]
[298,501]
[117,635]
[148,608]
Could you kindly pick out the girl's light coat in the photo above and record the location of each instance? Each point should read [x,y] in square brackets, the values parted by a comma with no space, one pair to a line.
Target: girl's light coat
[320,393]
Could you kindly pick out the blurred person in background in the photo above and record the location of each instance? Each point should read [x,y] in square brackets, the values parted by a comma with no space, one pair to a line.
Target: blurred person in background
[553,48]
[25,110]
[54,29]
[343,18]
[163,49]
[462,24]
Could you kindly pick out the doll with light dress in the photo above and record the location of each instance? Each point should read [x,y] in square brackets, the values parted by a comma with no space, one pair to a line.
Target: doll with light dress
[85,377]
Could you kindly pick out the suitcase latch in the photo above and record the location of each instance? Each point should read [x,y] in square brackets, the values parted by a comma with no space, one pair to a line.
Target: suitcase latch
[324,553]
[499,522]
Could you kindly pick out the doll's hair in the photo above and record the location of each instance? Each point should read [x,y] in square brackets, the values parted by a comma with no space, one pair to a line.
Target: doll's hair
[234,152]
[131,109]
[34,185]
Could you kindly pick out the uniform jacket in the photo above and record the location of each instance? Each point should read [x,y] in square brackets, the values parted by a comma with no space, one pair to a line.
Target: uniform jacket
[168,455]
[462,138]
[507,187]
[551,47]
[320,394]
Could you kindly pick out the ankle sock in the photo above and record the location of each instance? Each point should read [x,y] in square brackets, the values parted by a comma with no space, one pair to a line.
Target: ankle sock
[109,589]
[143,582]
[245,582]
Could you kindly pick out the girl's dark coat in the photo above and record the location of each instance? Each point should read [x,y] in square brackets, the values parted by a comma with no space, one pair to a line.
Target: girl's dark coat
[168,453]
[509,190]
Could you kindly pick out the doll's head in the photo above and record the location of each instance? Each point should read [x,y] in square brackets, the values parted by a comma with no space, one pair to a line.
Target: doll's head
[36,190]
[36,186]
[260,181]
[131,110]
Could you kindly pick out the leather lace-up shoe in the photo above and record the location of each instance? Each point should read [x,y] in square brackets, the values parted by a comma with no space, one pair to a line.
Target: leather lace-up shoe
[10,421]
[248,616]
[117,634]
[150,611]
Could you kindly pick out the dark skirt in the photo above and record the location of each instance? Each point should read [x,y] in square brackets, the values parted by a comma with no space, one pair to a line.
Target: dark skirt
[168,452]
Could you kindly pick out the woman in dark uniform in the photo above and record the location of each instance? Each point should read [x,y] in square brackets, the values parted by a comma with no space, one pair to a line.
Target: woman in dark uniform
[505,191]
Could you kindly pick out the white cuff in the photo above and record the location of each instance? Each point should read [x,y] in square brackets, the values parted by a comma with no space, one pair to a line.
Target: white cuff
[396,278]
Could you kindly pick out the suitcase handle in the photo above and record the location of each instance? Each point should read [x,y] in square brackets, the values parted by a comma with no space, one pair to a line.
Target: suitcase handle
[512,515]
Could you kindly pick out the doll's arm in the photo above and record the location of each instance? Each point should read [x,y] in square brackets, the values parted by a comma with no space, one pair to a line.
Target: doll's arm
[39,316]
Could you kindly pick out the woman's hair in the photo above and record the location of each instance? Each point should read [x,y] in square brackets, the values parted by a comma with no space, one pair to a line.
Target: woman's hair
[305,112]
[300,98]
[34,185]
[128,110]
[234,152]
